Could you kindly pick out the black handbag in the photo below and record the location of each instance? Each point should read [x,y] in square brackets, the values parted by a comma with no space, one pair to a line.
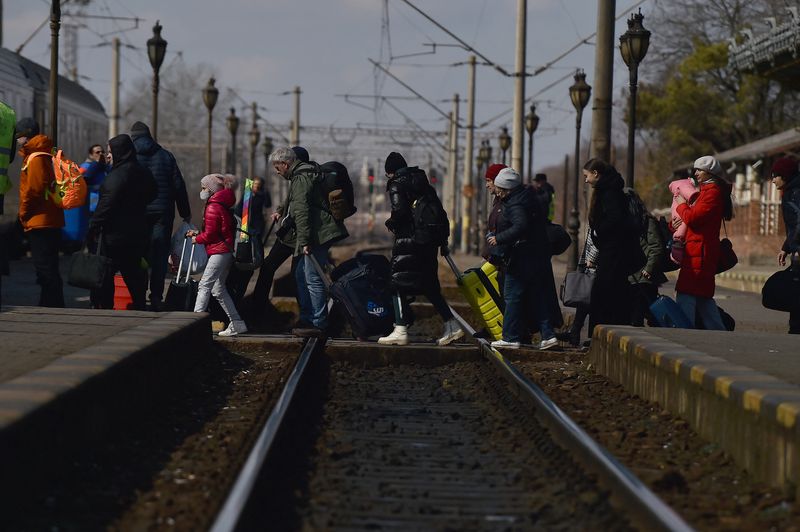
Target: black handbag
[782,290]
[558,238]
[87,270]
[727,257]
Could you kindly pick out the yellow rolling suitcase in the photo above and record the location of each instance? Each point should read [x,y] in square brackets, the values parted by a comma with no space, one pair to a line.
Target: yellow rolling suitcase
[479,286]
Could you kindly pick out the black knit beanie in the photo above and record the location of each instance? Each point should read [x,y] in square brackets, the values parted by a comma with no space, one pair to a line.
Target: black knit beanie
[139,129]
[394,162]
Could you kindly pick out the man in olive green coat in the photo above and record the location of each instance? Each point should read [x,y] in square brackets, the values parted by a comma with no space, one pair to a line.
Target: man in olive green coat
[307,226]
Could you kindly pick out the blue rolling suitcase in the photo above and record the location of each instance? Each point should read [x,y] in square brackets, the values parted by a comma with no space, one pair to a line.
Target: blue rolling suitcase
[667,313]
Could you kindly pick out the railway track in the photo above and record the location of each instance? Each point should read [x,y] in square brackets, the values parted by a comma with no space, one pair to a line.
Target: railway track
[428,438]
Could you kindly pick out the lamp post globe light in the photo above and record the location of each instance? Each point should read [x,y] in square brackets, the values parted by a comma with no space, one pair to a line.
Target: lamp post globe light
[633,45]
[505,142]
[210,95]
[233,125]
[531,123]
[156,49]
[579,93]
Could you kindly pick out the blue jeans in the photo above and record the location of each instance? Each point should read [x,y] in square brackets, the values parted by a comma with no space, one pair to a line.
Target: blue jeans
[311,293]
[158,257]
[517,306]
[707,308]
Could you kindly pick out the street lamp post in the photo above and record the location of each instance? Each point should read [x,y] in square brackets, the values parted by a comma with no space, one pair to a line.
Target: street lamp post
[579,93]
[531,123]
[233,125]
[266,146]
[156,48]
[505,142]
[55,25]
[210,95]
[255,136]
[481,159]
[633,46]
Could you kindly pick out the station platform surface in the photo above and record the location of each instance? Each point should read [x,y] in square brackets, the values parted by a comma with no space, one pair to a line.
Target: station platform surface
[740,390]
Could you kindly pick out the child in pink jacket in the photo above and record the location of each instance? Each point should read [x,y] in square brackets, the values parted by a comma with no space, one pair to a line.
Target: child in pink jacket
[686,189]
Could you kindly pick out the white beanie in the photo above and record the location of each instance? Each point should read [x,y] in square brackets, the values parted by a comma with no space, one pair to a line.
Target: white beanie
[507,179]
[710,165]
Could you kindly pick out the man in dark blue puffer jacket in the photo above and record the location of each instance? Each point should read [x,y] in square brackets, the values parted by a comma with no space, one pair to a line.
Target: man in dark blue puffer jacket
[161,211]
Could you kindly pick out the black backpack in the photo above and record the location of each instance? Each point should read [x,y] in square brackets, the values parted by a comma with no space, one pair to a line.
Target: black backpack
[337,190]
[431,225]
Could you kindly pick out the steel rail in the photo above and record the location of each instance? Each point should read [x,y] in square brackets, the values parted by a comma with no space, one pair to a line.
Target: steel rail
[648,509]
[228,518]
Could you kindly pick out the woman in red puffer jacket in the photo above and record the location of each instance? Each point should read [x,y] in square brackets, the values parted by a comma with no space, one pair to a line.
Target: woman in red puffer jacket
[703,219]
[217,235]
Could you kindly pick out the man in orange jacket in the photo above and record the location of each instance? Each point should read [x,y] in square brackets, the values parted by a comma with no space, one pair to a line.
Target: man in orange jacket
[41,218]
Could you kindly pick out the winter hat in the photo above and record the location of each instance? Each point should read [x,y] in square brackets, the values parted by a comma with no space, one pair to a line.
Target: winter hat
[493,170]
[301,153]
[507,179]
[786,167]
[139,129]
[394,162]
[709,164]
[213,182]
[27,127]
[540,177]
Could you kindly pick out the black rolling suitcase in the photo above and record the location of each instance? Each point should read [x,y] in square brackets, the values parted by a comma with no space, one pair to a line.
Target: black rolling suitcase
[181,296]
[361,287]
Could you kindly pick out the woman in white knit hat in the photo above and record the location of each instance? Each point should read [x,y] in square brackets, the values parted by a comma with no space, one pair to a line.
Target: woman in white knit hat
[522,238]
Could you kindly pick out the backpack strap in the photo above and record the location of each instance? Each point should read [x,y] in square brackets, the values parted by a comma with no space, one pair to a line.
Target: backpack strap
[31,156]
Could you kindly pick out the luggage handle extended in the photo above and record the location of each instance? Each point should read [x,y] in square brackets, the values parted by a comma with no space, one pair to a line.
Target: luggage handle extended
[191,258]
[456,271]
[322,273]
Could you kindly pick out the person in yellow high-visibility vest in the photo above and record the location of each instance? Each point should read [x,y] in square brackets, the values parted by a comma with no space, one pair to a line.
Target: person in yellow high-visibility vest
[8,120]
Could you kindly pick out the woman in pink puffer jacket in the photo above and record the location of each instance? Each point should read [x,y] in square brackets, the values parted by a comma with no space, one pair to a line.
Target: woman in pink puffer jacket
[218,228]
[686,189]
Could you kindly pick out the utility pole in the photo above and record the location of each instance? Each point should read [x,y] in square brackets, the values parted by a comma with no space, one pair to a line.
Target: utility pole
[518,135]
[603,80]
[469,187]
[55,24]
[296,122]
[113,123]
[451,186]
[564,201]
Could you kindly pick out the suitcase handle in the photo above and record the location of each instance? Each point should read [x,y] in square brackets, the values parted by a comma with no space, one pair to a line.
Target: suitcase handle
[453,267]
[322,273]
[191,258]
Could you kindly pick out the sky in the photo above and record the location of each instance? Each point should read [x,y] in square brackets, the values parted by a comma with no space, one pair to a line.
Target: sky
[263,48]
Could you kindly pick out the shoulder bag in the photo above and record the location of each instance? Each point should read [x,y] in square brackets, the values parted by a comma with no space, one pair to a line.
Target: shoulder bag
[727,257]
[87,270]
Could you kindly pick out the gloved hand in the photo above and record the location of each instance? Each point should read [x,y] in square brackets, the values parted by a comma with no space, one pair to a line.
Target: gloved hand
[444,250]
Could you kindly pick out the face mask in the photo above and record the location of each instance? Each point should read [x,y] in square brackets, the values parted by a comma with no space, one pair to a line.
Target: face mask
[205,194]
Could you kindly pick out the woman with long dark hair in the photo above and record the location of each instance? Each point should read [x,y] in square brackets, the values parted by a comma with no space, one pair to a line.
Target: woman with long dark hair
[616,236]
[703,219]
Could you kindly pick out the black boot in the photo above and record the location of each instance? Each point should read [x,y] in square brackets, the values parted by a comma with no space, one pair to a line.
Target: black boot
[571,336]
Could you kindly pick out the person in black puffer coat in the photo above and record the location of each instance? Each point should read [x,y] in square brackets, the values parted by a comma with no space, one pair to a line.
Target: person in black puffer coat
[616,235]
[171,190]
[521,240]
[785,177]
[415,265]
[121,223]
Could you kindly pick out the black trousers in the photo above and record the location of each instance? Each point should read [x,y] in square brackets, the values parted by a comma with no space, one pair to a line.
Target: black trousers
[278,254]
[135,278]
[44,249]
[611,300]
[644,294]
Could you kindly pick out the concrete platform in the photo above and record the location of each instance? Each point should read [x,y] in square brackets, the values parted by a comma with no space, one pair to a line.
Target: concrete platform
[740,390]
[70,376]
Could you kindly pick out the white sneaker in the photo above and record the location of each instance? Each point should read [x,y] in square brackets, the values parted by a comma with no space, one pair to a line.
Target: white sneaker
[452,332]
[234,328]
[508,345]
[547,344]
[399,336]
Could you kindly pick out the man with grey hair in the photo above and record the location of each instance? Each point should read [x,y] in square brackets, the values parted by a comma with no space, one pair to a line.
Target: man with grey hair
[308,227]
